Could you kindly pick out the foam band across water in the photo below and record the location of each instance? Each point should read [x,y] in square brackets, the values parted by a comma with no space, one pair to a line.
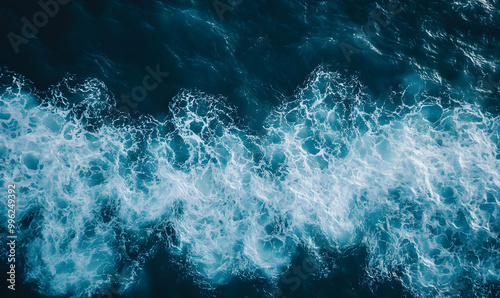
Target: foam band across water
[418,184]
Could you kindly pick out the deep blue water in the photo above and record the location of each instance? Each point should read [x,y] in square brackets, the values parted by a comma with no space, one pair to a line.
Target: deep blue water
[252,148]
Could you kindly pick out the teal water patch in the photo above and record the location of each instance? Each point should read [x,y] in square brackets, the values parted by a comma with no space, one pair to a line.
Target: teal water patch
[418,187]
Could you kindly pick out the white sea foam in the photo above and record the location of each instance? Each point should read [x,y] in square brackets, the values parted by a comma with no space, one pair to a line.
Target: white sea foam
[417,184]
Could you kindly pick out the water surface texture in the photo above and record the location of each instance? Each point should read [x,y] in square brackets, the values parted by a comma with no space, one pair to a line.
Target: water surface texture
[252,148]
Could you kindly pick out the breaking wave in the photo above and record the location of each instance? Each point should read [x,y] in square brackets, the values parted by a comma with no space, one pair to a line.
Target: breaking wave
[417,183]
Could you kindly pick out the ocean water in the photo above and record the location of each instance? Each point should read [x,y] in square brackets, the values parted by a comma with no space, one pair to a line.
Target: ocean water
[253,148]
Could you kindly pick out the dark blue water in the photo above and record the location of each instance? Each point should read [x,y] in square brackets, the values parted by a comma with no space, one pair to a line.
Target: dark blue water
[252,148]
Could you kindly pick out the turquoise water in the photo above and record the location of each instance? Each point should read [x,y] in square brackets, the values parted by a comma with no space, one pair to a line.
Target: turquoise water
[258,160]
[416,184]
